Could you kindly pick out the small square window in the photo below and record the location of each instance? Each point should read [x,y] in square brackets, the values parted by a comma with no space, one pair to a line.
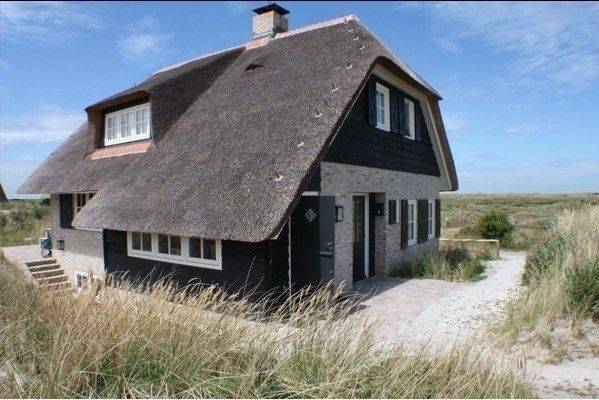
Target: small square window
[163,244]
[135,240]
[175,248]
[209,249]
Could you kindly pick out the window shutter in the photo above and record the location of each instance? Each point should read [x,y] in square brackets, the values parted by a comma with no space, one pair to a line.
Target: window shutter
[422,220]
[438,218]
[392,212]
[394,111]
[403,216]
[372,102]
[401,115]
[65,205]
[418,121]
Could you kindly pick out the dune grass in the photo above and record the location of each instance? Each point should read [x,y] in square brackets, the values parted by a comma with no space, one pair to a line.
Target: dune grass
[561,281]
[451,264]
[156,342]
[23,221]
[533,214]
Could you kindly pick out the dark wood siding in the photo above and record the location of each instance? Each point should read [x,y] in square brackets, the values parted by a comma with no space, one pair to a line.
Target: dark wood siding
[245,266]
[360,143]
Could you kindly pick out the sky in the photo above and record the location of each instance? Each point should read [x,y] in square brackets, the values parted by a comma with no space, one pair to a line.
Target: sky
[519,81]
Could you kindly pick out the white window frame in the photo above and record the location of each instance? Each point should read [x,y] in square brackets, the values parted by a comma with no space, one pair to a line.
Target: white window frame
[412,222]
[184,258]
[386,123]
[411,117]
[85,195]
[78,273]
[431,218]
[131,125]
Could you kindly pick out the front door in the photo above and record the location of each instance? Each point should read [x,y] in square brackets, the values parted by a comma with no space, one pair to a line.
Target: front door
[312,233]
[360,240]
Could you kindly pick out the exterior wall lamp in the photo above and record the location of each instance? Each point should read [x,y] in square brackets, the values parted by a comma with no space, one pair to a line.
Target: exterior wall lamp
[338,213]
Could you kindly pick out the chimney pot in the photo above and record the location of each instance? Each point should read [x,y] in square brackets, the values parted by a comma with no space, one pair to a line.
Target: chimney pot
[268,21]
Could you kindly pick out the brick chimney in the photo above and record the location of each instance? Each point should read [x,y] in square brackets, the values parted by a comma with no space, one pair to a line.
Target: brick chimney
[268,21]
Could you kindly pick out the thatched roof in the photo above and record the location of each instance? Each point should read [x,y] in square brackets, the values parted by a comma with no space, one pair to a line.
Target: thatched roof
[3,198]
[236,161]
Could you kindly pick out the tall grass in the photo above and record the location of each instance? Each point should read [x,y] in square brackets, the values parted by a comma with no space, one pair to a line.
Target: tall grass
[561,277]
[452,264]
[156,342]
[22,221]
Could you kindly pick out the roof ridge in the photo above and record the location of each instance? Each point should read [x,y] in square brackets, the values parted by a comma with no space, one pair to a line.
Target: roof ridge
[306,28]
[319,25]
[206,55]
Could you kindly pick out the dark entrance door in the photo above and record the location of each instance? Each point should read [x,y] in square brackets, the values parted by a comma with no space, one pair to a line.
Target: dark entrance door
[360,237]
[312,232]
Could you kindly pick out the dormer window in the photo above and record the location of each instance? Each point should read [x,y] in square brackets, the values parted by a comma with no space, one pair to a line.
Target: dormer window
[127,125]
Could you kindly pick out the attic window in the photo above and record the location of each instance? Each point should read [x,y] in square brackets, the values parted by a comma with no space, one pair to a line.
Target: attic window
[127,125]
[253,67]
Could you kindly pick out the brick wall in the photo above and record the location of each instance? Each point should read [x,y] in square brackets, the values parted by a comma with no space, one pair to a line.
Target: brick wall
[84,250]
[342,181]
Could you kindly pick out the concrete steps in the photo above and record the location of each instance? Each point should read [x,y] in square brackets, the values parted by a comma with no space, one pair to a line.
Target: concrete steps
[49,274]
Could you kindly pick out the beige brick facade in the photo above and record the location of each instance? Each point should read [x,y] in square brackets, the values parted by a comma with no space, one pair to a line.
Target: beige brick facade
[343,181]
[83,250]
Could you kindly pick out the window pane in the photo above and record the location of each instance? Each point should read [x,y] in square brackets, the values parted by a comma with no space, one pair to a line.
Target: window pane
[175,245]
[163,244]
[146,242]
[195,247]
[135,241]
[89,196]
[210,249]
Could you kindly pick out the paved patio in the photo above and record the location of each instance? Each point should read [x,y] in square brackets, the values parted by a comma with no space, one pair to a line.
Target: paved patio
[22,254]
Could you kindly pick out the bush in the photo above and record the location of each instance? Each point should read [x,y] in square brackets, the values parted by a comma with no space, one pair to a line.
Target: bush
[494,225]
[581,289]
[454,264]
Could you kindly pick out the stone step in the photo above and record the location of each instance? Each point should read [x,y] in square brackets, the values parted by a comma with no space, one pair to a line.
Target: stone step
[40,262]
[48,273]
[52,279]
[47,267]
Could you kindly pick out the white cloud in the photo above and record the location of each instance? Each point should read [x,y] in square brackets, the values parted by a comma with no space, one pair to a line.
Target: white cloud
[553,43]
[455,123]
[48,123]
[448,45]
[526,128]
[144,41]
[44,22]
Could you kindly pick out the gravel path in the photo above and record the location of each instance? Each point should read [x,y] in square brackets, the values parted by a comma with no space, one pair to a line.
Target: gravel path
[440,314]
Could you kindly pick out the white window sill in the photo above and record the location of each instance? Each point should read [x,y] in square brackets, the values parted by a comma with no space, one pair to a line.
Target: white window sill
[412,242]
[383,127]
[175,260]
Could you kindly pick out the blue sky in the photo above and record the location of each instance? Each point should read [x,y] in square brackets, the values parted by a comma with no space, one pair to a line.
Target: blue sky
[520,81]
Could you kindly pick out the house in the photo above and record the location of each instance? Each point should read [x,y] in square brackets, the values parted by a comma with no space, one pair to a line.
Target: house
[299,157]
[3,198]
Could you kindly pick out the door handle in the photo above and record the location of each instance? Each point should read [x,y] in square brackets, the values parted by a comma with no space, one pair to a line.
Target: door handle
[326,253]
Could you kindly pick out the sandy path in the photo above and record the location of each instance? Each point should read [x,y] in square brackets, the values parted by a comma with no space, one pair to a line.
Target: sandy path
[450,313]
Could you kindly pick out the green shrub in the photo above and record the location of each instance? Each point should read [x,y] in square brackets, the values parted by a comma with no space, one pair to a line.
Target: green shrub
[494,225]
[581,289]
